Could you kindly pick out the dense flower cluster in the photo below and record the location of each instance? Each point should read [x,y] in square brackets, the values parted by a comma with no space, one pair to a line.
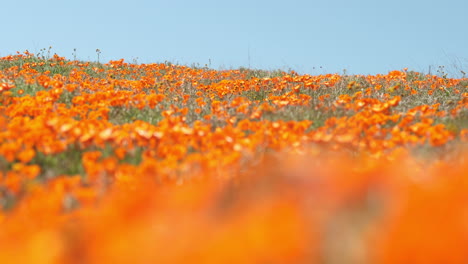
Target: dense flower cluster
[142,163]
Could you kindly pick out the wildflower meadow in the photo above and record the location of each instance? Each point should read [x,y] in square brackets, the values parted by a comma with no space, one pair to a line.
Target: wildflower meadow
[158,163]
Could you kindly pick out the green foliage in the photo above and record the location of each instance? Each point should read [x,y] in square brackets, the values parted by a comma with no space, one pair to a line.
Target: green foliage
[255,73]
[67,162]
[28,89]
[457,123]
[254,95]
[119,115]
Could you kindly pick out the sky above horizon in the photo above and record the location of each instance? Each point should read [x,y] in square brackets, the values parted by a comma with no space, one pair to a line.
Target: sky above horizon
[312,37]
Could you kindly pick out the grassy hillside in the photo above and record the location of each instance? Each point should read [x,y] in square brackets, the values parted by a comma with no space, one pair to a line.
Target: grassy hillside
[119,163]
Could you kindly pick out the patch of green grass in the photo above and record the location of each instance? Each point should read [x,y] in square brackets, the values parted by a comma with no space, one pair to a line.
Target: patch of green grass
[255,73]
[67,162]
[119,115]
[66,97]
[457,123]
[301,113]
[41,65]
[53,68]
[412,76]
[4,164]
[254,95]
[7,199]
[463,84]
[134,157]
[28,89]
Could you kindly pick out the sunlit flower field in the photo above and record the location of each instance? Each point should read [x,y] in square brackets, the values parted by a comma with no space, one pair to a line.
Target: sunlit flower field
[162,163]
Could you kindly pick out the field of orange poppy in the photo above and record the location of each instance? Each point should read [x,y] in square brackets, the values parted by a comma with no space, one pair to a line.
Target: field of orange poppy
[161,163]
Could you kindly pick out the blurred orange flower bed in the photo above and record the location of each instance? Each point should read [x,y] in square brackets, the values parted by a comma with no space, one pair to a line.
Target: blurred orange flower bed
[162,163]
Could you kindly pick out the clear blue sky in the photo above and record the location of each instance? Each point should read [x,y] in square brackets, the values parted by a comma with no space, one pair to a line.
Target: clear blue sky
[363,37]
